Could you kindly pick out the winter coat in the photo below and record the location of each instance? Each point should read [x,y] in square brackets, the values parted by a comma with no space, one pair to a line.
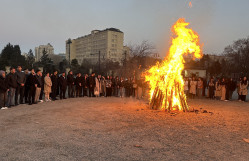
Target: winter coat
[31,80]
[39,81]
[70,79]
[92,81]
[243,88]
[12,80]
[185,85]
[54,79]
[193,85]
[3,85]
[47,84]
[217,90]
[98,87]
[108,83]
[63,83]
[78,81]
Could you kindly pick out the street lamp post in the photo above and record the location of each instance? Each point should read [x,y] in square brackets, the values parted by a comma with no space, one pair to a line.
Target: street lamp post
[69,41]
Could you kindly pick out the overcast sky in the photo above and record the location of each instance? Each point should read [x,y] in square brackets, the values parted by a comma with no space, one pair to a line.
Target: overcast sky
[31,23]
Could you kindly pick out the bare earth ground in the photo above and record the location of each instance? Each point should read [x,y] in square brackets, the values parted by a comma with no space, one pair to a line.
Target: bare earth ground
[123,129]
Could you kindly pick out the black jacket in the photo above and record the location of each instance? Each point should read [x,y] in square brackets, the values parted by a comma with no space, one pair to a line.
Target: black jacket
[12,80]
[85,82]
[54,80]
[78,80]
[63,82]
[3,85]
[92,82]
[70,79]
[39,81]
[31,80]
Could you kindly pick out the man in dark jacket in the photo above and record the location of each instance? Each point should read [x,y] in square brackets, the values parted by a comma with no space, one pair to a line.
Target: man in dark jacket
[3,90]
[12,83]
[78,85]
[63,85]
[26,89]
[85,85]
[54,79]
[70,82]
[38,77]
[21,80]
[92,85]
[32,83]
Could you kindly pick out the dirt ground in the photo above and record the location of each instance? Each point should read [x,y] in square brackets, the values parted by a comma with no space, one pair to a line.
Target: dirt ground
[124,129]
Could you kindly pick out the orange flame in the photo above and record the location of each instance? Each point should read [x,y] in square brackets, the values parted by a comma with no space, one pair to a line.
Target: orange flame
[190,4]
[167,76]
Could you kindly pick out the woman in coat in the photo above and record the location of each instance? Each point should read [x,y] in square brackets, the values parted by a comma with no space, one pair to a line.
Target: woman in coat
[217,90]
[223,89]
[98,87]
[108,84]
[193,84]
[211,87]
[47,87]
[243,89]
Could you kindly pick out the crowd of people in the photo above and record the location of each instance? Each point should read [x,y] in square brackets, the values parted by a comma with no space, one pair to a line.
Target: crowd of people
[215,88]
[30,87]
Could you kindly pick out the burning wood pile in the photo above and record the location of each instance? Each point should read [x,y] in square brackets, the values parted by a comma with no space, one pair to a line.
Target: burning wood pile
[165,79]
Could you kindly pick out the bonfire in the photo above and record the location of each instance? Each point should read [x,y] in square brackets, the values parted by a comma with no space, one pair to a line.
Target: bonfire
[165,79]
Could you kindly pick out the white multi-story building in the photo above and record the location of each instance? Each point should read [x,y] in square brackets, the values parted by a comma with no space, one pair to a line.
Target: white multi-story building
[108,44]
[39,51]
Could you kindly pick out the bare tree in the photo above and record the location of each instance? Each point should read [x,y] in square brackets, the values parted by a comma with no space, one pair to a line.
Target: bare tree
[142,50]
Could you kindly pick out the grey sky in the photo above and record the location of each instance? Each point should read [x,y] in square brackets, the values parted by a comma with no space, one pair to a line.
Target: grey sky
[31,23]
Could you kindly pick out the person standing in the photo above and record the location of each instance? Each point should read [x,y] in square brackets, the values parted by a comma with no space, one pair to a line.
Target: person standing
[231,86]
[92,84]
[85,85]
[63,85]
[42,88]
[38,77]
[21,80]
[12,83]
[103,86]
[78,84]
[97,89]
[32,83]
[26,89]
[70,82]
[211,88]
[3,90]
[116,87]
[121,87]
[54,79]
[238,88]
[199,87]
[223,89]
[47,87]
[243,89]
[193,84]
[108,83]
[218,90]
[186,84]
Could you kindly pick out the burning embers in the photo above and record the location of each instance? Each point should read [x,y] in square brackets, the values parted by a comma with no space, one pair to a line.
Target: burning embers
[165,79]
